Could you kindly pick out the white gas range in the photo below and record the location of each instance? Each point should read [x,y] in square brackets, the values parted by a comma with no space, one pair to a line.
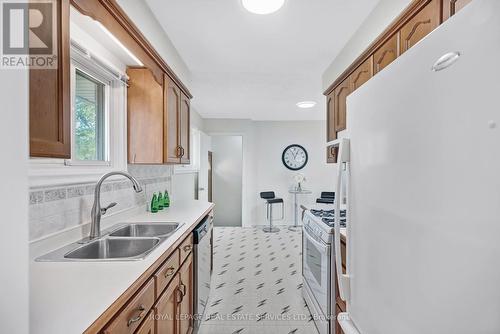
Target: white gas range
[318,268]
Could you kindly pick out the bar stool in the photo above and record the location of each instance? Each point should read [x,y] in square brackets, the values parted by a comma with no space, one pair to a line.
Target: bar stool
[327,197]
[271,199]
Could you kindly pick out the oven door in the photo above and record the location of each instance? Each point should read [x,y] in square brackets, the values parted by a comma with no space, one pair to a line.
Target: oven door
[316,259]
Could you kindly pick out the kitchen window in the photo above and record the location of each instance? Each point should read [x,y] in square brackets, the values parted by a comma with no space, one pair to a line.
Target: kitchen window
[89,118]
[98,130]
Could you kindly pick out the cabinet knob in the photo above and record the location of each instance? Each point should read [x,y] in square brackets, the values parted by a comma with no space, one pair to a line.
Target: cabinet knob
[187,248]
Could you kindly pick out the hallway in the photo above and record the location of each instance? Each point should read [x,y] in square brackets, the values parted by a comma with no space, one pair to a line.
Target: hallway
[256,284]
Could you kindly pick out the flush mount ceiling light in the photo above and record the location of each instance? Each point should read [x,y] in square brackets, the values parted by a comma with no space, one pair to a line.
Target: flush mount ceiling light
[306,104]
[262,7]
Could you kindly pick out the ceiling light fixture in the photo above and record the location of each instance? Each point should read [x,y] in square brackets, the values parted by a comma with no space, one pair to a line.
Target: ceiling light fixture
[306,104]
[262,7]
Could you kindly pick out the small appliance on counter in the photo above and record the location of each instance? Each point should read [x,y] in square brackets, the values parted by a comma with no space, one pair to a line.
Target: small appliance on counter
[203,262]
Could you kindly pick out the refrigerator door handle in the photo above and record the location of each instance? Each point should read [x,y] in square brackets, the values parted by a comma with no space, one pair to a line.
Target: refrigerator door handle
[343,158]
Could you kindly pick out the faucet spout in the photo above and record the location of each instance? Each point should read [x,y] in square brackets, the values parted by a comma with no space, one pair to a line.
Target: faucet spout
[97,211]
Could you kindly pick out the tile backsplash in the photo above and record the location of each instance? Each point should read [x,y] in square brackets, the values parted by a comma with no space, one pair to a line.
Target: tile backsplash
[53,209]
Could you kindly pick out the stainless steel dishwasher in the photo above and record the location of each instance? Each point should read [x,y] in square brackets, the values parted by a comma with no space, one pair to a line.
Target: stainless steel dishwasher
[203,246]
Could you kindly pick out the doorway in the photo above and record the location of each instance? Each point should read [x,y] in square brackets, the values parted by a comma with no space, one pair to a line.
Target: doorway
[227,179]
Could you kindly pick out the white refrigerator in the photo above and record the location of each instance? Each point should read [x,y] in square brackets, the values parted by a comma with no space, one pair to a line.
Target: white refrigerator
[422,180]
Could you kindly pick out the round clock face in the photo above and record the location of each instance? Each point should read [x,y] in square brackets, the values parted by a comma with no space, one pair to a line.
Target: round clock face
[294,157]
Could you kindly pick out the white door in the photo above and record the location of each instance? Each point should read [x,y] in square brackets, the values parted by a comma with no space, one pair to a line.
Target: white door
[205,147]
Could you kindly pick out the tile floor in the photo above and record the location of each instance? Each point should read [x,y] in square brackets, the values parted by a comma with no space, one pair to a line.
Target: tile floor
[256,284]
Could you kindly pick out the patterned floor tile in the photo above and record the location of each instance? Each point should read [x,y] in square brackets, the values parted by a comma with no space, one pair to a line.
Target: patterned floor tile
[257,283]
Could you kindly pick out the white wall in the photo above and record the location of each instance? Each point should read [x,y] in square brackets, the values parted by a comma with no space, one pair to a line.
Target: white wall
[14,202]
[263,144]
[227,179]
[378,20]
[141,15]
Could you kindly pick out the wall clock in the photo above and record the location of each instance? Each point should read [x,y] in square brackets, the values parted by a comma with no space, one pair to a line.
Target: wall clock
[294,157]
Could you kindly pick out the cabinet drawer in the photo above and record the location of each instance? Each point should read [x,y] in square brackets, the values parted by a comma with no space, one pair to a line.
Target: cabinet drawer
[186,247]
[167,272]
[134,312]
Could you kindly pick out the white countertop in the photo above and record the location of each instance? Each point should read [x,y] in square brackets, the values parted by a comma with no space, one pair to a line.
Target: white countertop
[67,297]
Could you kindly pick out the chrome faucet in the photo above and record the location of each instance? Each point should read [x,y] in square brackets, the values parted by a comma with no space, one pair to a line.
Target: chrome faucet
[97,211]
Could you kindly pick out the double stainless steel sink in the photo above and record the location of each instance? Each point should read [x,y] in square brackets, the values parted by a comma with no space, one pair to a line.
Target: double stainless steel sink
[122,242]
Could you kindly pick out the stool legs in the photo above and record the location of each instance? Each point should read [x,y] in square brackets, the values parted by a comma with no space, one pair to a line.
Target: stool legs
[271,228]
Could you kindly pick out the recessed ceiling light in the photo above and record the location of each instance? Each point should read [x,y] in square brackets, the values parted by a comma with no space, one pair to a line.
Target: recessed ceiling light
[306,104]
[262,6]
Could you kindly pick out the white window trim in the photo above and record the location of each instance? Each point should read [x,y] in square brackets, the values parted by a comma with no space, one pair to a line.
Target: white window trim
[51,171]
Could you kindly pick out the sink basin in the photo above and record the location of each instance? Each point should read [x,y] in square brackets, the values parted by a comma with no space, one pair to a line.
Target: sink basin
[114,248]
[160,230]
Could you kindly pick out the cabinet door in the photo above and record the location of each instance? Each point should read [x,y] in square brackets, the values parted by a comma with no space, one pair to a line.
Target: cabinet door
[451,7]
[386,54]
[362,74]
[331,134]
[186,306]
[145,117]
[340,105]
[49,96]
[185,129]
[148,326]
[172,101]
[166,308]
[425,21]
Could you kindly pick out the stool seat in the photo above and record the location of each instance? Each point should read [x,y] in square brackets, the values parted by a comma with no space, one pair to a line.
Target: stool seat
[325,200]
[275,200]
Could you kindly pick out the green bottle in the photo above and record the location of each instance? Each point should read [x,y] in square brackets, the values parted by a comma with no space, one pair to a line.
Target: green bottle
[161,202]
[166,199]
[154,203]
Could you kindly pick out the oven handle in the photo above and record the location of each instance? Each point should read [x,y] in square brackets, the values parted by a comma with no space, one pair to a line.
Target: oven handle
[343,160]
[317,243]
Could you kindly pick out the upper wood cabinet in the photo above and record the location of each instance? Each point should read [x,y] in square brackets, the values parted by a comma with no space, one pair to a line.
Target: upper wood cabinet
[419,19]
[425,21]
[331,134]
[145,117]
[185,114]
[158,120]
[386,54]
[172,151]
[49,96]
[362,74]
[340,104]
[451,7]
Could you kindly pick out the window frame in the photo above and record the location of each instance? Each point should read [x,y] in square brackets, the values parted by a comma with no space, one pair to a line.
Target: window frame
[54,171]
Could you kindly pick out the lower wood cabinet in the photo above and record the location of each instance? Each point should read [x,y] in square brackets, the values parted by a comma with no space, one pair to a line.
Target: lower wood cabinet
[165,311]
[186,305]
[164,304]
[134,312]
[148,326]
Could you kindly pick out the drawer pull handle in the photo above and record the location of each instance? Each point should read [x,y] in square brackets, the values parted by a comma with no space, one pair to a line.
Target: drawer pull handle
[183,287]
[142,310]
[180,296]
[169,272]
[188,248]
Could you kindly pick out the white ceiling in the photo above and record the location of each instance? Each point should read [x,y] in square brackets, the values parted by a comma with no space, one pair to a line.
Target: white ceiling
[252,66]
